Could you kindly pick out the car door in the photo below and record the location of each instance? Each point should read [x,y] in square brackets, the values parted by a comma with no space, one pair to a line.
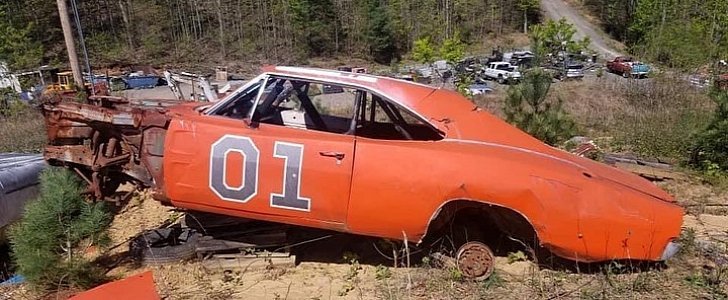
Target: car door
[225,163]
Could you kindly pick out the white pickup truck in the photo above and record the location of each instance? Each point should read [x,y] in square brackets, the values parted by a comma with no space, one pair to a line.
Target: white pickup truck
[503,72]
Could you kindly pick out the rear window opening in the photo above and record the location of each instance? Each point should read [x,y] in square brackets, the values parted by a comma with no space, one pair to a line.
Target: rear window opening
[380,119]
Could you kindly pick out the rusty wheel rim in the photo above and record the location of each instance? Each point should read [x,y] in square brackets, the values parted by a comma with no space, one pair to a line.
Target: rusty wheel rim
[475,260]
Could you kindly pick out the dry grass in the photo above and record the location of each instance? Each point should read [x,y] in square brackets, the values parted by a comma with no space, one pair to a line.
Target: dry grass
[23,131]
[656,117]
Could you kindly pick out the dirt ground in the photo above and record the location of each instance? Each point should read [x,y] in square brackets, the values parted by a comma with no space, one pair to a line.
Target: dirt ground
[693,274]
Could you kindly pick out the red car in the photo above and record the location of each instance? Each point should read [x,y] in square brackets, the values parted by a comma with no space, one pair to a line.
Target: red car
[628,67]
[377,156]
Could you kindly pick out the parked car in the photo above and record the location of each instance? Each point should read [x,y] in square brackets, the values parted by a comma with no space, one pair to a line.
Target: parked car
[628,67]
[389,158]
[503,72]
[522,59]
[570,71]
[479,89]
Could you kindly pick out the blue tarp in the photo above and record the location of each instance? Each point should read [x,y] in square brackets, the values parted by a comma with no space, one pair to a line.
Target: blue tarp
[18,183]
[145,81]
[16,279]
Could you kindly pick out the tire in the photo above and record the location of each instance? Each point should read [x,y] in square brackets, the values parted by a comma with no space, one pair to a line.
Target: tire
[165,245]
[501,80]
[625,74]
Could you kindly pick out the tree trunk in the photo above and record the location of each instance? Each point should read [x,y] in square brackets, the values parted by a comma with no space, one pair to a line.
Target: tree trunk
[70,44]
[127,24]
[222,29]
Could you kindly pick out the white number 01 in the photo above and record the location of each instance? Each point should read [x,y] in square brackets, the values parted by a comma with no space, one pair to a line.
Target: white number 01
[290,196]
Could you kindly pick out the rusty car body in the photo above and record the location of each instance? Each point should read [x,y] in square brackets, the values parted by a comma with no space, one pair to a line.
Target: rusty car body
[628,67]
[400,161]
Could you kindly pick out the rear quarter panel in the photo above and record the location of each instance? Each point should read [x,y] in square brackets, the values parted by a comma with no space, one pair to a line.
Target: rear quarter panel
[398,186]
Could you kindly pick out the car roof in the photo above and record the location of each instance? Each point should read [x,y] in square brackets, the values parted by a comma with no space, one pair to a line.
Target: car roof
[404,92]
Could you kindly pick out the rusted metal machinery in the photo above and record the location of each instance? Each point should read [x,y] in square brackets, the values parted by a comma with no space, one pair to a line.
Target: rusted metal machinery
[115,140]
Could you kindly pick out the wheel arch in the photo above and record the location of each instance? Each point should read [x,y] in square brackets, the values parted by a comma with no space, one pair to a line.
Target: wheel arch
[519,225]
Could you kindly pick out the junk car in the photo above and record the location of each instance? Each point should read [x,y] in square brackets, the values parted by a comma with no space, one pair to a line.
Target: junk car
[384,158]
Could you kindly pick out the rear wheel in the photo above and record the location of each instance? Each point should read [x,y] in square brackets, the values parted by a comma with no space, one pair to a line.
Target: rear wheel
[475,260]
[465,242]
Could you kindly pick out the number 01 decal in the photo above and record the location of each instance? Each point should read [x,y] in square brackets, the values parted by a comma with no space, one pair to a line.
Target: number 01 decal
[290,196]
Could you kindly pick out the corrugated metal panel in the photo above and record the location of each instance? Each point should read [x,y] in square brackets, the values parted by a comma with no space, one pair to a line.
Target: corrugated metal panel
[18,183]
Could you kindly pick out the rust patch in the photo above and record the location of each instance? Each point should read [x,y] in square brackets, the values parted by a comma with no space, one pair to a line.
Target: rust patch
[108,140]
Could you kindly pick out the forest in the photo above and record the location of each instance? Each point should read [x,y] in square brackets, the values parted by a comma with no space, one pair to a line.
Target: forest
[682,34]
[283,31]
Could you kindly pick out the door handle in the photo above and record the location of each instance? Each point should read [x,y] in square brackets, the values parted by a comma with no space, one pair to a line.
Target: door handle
[338,155]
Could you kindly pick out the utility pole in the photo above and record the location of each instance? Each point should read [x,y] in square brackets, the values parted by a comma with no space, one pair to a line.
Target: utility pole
[70,44]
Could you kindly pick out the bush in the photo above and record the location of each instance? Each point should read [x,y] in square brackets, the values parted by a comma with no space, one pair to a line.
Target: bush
[56,231]
[10,103]
[711,149]
[526,107]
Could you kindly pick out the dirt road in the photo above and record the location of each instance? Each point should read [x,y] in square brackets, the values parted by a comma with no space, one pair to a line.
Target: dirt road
[557,9]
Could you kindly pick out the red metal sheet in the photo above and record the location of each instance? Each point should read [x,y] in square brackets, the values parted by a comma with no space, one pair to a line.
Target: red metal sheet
[137,287]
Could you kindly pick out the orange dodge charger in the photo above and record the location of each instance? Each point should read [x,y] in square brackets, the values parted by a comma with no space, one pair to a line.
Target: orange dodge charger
[366,155]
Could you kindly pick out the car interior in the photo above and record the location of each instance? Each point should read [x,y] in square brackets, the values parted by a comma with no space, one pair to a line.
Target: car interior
[324,107]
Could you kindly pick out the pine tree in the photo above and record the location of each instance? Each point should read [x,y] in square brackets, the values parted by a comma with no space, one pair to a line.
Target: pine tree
[314,21]
[17,48]
[379,33]
[711,151]
[423,51]
[528,108]
[49,243]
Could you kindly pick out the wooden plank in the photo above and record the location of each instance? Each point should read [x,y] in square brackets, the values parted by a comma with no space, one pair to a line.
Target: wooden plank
[649,171]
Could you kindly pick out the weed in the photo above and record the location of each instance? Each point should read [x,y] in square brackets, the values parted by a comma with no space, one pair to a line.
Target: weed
[426,262]
[351,279]
[495,280]
[546,284]
[516,256]
[455,274]
[643,282]
[711,279]
[687,242]
[382,273]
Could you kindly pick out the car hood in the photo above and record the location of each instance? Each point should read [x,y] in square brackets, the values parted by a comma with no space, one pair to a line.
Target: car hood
[474,126]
